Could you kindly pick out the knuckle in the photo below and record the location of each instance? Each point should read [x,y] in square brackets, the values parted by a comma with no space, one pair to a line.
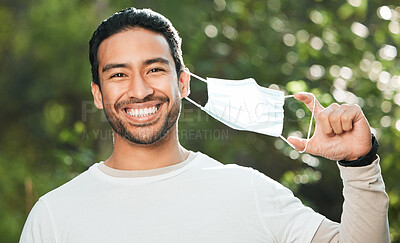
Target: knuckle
[352,107]
[327,130]
[323,115]
[334,105]
[357,108]
[310,98]
[334,117]
[346,117]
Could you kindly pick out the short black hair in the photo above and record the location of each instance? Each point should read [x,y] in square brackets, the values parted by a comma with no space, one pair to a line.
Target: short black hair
[132,18]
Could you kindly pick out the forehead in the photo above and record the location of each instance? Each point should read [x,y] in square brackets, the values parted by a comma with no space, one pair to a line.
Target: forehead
[133,45]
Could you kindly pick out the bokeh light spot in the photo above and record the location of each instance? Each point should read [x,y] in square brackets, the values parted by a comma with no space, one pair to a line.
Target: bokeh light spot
[317,71]
[316,43]
[384,12]
[394,27]
[292,57]
[386,106]
[302,36]
[230,32]
[334,70]
[300,113]
[385,121]
[219,5]
[316,17]
[384,77]
[211,31]
[289,39]
[388,52]
[346,72]
[360,29]
[355,3]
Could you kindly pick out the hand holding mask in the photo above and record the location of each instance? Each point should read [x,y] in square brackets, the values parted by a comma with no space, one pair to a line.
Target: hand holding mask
[341,132]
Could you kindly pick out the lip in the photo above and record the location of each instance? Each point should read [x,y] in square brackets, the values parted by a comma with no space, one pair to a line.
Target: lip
[143,119]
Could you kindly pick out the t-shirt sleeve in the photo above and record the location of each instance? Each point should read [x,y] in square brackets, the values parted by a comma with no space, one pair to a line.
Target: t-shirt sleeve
[282,213]
[38,227]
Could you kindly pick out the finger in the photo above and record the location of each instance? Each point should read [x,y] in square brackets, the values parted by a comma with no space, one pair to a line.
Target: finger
[351,115]
[298,143]
[323,119]
[347,117]
[335,119]
[308,99]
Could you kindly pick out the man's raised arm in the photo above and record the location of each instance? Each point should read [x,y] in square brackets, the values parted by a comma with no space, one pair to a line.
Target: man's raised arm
[342,133]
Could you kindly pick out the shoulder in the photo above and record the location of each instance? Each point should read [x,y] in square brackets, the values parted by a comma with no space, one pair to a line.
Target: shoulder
[39,225]
[233,173]
[207,163]
[78,185]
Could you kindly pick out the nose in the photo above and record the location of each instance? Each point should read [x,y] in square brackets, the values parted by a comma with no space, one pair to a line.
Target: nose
[139,88]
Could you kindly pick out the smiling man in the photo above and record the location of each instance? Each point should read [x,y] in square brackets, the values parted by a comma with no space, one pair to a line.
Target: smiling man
[151,189]
[142,113]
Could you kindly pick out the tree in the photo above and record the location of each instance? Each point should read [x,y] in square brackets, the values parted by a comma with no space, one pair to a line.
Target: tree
[340,51]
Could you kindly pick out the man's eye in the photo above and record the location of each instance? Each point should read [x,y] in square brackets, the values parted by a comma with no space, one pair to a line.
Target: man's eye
[153,70]
[118,75]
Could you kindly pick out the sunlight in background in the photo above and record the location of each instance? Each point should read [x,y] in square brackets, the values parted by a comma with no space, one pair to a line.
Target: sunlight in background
[388,52]
[316,17]
[355,3]
[316,43]
[398,124]
[360,29]
[317,71]
[384,12]
[394,27]
[289,39]
[211,31]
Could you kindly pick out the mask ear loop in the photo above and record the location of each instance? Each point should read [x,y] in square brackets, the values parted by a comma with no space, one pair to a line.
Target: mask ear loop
[309,128]
[198,77]
[190,100]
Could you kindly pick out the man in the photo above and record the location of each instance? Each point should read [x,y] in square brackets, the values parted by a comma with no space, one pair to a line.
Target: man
[151,189]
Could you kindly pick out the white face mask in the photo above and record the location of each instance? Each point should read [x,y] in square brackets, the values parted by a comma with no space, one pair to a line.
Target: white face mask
[244,105]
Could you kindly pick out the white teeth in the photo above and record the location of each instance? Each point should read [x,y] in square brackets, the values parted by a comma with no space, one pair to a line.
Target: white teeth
[142,112]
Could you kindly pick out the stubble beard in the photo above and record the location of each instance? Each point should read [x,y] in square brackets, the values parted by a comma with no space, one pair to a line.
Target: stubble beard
[144,134]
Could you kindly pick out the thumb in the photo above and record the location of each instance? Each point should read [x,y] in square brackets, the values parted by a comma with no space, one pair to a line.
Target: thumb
[298,143]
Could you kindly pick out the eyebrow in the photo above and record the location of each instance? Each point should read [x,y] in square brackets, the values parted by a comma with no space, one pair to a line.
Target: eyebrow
[156,60]
[115,65]
[127,65]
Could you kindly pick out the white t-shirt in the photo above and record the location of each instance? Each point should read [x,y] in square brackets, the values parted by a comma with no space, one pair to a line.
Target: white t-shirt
[198,200]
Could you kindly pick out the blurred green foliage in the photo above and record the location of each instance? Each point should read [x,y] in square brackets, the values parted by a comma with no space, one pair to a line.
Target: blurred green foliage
[342,51]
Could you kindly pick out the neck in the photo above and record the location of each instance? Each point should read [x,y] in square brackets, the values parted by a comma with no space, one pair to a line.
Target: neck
[165,152]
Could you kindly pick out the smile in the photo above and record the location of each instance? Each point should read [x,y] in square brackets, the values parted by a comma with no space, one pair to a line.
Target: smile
[142,112]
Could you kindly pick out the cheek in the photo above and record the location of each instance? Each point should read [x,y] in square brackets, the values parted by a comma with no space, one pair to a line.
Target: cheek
[168,86]
[111,95]
[174,91]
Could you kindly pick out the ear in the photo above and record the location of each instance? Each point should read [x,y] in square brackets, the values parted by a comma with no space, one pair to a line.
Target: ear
[184,83]
[97,96]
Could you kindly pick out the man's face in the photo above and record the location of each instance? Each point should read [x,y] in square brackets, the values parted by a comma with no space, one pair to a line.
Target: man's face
[139,93]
